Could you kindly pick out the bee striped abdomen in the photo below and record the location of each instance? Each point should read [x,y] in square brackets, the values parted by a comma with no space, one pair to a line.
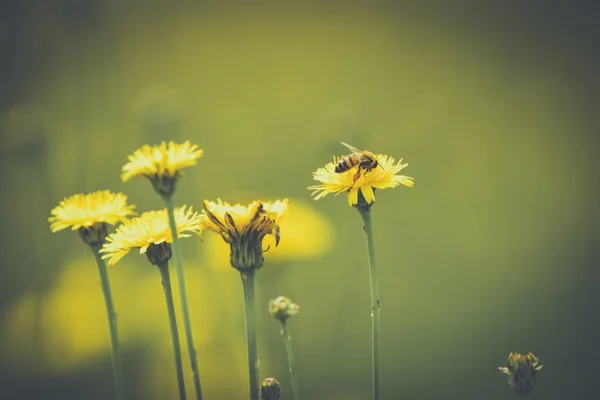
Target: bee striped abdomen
[346,163]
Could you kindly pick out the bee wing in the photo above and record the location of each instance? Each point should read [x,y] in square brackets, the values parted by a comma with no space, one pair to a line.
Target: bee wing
[354,149]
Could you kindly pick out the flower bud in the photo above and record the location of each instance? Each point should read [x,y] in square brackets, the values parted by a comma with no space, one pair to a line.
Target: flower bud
[270,389]
[521,372]
[282,308]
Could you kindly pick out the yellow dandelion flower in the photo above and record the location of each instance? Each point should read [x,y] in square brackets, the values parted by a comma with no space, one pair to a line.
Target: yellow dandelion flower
[90,213]
[244,228]
[150,228]
[382,177]
[308,235]
[161,164]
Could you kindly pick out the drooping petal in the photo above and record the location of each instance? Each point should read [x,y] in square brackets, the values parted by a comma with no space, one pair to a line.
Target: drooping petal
[368,193]
[353,196]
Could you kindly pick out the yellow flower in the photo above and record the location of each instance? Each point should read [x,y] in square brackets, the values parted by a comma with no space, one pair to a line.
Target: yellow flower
[382,177]
[308,236]
[244,228]
[521,372]
[86,210]
[150,228]
[161,164]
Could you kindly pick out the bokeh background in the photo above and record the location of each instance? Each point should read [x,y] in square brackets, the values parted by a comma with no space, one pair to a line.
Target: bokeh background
[492,104]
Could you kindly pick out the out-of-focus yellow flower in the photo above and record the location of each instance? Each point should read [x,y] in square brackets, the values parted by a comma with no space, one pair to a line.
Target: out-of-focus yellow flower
[161,164]
[244,228]
[152,227]
[521,372]
[308,235]
[71,335]
[382,177]
[86,210]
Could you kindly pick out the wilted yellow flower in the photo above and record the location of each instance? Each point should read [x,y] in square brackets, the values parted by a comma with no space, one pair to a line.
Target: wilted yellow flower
[150,228]
[521,372]
[308,235]
[244,228]
[71,334]
[382,177]
[85,210]
[161,164]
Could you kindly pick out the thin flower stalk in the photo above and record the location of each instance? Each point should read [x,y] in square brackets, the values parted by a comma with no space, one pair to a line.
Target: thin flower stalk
[187,324]
[360,174]
[166,282]
[290,356]
[117,363]
[365,213]
[282,308]
[161,164]
[244,228]
[151,234]
[89,215]
[250,320]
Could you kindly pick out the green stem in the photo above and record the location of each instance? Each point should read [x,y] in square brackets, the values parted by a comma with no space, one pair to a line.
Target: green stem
[187,325]
[112,323]
[290,355]
[365,213]
[166,282]
[248,283]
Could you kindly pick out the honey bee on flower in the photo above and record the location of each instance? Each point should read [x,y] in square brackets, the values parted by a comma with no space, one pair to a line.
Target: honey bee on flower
[344,175]
[363,159]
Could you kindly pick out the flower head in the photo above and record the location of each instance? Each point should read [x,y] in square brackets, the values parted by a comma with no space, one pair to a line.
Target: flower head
[150,232]
[161,164]
[282,308]
[90,213]
[270,389]
[381,177]
[521,372]
[244,228]
[85,210]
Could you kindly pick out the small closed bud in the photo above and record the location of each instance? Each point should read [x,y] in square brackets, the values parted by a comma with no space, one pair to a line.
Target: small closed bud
[270,389]
[521,372]
[282,308]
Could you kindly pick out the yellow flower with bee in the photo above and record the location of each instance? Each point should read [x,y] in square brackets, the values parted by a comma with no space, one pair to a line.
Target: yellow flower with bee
[362,171]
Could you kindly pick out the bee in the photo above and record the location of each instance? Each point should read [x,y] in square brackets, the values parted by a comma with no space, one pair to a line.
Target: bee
[364,159]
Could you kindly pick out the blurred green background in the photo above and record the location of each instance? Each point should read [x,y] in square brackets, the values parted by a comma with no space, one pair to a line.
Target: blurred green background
[492,104]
